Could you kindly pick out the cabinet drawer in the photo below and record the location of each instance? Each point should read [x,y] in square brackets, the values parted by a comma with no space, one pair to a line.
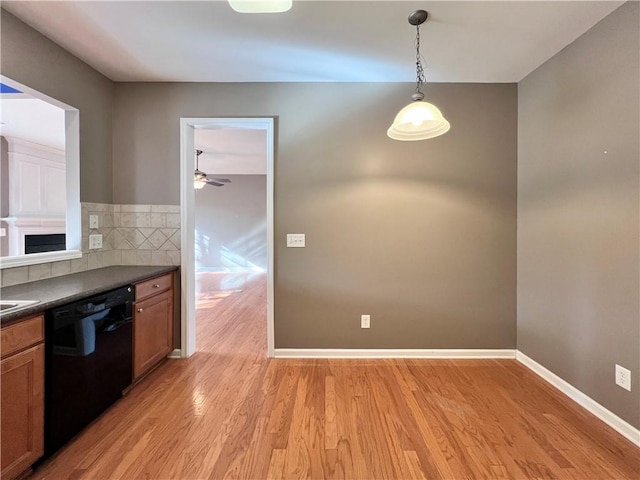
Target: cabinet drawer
[151,287]
[21,335]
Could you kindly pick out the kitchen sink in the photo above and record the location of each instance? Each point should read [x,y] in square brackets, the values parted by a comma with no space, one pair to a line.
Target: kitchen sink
[7,306]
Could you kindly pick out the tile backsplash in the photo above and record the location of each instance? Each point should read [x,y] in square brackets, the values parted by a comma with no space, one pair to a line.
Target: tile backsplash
[131,235]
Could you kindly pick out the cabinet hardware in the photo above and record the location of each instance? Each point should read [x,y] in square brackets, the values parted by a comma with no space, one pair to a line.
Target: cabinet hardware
[139,310]
[156,285]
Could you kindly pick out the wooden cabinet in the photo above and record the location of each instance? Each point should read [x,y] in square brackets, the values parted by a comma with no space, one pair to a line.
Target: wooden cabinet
[22,407]
[152,323]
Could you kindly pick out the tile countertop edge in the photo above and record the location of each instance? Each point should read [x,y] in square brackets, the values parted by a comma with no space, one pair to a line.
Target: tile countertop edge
[52,292]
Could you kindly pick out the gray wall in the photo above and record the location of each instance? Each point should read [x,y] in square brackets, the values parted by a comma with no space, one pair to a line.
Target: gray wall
[233,219]
[35,61]
[421,235]
[578,211]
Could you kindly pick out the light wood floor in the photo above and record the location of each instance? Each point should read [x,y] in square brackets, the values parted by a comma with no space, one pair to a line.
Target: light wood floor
[228,412]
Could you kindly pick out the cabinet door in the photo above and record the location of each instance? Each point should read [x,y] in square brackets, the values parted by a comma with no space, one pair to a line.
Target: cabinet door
[22,410]
[152,331]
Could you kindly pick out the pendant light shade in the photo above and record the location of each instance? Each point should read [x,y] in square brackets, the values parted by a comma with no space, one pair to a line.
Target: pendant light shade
[419,120]
[261,6]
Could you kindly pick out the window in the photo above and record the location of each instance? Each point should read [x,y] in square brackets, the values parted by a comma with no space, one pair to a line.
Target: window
[39,177]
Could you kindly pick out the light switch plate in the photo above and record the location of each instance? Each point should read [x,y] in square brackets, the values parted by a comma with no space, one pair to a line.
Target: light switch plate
[93,221]
[365,321]
[295,240]
[95,241]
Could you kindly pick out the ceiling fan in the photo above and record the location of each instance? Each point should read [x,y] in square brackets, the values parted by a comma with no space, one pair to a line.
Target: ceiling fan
[200,179]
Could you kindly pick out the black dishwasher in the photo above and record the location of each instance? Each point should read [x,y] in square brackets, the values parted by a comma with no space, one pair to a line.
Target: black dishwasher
[88,352]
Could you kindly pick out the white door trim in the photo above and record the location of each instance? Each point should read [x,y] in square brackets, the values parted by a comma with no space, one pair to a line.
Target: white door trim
[187,223]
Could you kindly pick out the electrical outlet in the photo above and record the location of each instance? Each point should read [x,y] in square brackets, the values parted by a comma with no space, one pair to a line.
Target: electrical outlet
[95,241]
[93,221]
[623,377]
[296,240]
[365,321]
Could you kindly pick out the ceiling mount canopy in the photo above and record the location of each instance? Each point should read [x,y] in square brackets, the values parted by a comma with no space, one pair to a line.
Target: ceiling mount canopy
[419,120]
[261,6]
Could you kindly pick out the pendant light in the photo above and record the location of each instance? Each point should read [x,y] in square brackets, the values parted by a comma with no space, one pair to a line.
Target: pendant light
[260,6]
[419,120]
[199,178]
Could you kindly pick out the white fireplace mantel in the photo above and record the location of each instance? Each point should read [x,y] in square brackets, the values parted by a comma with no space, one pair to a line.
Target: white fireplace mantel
[19,227]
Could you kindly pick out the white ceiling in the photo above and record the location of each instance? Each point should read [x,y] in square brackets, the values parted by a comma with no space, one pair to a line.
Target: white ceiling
[33,120]
[206,41]
[232,151]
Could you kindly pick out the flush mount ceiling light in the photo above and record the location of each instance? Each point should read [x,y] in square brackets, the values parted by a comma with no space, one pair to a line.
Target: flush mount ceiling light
[260,6]
[419,120]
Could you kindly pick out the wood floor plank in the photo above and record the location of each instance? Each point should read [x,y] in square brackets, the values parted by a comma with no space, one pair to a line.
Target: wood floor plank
[330,427]
[229,412]
[276,464]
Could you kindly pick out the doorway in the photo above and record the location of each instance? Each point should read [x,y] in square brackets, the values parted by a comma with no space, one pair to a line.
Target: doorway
[188,128]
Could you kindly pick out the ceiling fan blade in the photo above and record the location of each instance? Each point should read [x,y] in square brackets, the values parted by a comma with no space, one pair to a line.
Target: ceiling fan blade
[211,182]
[221,180]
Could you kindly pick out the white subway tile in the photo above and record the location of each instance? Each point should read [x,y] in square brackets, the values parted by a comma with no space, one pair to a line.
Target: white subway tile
[173,220]
[14,276]
[61,268]
[173,257]
[143,220]
[159,258]
[128,257]
[128,220]
[79,264]
[143,257]
[135,208]
[165,208]
[38,272]
[95,260]
[158,220]
[113,257]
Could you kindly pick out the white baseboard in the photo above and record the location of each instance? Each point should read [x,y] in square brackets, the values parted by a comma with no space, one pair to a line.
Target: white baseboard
[619,425]
[391,353]
[177,353]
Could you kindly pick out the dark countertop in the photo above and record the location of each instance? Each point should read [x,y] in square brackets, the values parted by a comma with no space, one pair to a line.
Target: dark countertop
[52,292]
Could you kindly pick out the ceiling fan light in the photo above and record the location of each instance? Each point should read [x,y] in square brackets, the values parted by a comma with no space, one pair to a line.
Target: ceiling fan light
[418,121]
[199,180]
[261,6]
